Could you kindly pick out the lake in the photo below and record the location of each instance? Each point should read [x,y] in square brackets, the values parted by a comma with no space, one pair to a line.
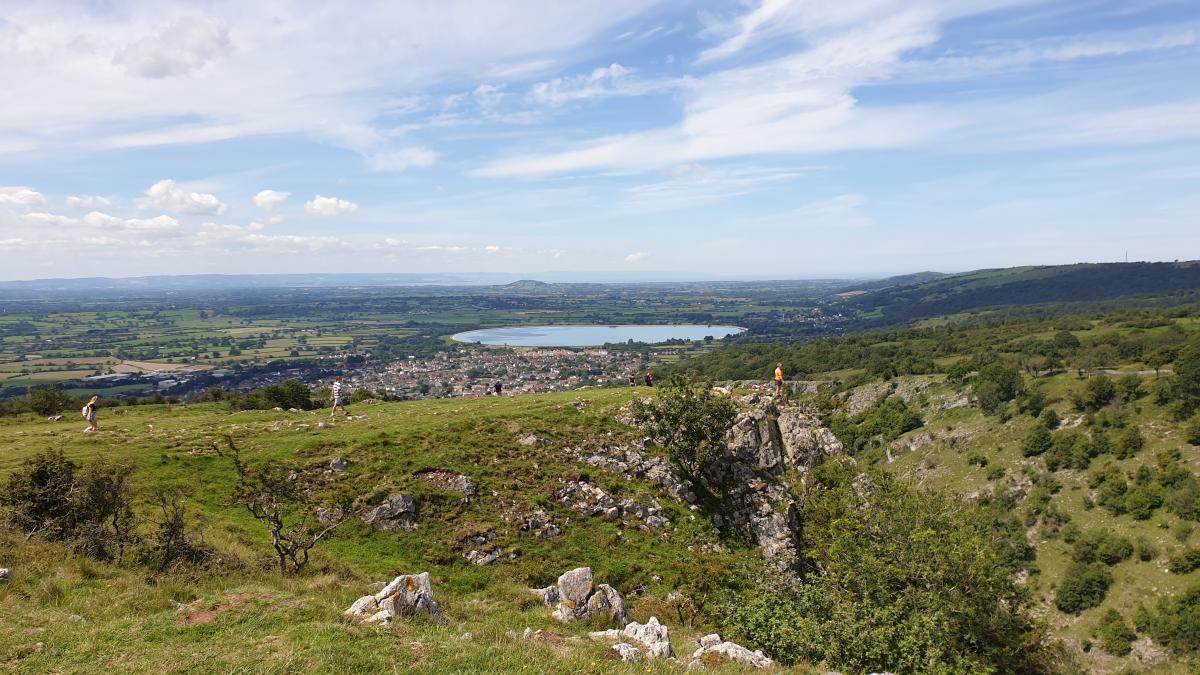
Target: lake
[591,336]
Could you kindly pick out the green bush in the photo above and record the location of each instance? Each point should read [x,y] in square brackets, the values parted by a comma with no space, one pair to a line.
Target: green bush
[1036,442]
[1129,442]
[1185,561]
[1192,433]
[912,582]
[1115,634]
[1083,586]
[1049,419]
[1145,549]
[1130,387]
[1101,546]
[48,400]
[1097,392]
[996,385]
[1176,622]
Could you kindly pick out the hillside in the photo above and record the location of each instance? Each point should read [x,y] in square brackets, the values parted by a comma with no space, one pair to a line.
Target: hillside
[1024,286]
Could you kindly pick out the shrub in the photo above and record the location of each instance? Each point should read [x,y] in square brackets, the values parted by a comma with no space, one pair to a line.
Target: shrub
[1101,546]
[1185,561]
[172,544]
[1176,622]
[1193,431]
[1036,442]
[1116,637]
[50,496]
[1145,549]
[1097,392]
[1129,442]
[689,422]
[1142,500]
[959,371]
[913,583]
[48,400]
[977,459]
[1049,419]
[1083,586]
[1130,387]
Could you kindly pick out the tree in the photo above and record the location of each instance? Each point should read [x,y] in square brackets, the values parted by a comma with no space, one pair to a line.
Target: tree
[49,400]
[1115,634]
[1083,586]
[996,385]
[1130,387]
[689,422]
[1065,340]
[959,371]
[1098,392]
[283,501]
[1193,431]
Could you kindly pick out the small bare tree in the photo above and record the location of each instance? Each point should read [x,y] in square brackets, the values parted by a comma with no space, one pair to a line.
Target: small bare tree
[280,499]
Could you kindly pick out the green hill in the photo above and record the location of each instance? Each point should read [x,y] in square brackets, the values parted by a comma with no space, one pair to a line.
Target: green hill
[1163,283]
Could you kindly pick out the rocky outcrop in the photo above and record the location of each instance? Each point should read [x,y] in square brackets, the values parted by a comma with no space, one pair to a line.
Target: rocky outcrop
[576,596]
[633,462]
[652,637]
[476,558]
[590,500]
[397,512]
[540,525]
[407,594]
[450,481]
[724,650]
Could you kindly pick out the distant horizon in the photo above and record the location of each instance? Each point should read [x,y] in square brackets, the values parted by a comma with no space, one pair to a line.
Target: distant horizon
[549,276]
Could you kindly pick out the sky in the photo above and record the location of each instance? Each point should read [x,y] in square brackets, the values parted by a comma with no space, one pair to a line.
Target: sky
[706,140]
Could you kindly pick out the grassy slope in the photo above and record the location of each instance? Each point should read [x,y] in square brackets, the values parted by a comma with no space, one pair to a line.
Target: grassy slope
[88,615]
[943,464]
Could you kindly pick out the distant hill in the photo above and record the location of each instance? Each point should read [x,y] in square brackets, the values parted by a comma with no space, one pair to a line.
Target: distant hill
[1023,286]
[900,280]
[528,285]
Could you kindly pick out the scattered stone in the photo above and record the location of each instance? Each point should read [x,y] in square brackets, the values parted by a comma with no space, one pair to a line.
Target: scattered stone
[590,500]
[610,634]
[406,594]
[450,481]
[293,410]
[511,634]
[339,465]
[533,439]
[627,652]
[324,425]
[467,637]
[277,426]
[5,574]
[477,558]
[653,636]
[540,525]
[397,512]
[577,597]
[54,418]
[277,409]
[712,644]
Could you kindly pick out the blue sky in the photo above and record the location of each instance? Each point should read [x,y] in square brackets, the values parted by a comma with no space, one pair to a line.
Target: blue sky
[768,138]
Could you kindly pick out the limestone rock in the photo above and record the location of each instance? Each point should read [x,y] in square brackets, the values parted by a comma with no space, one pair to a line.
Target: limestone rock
[397,512]
[576,597]
[54,418]
[450,481]
[590,500]
[627,652]
[653,636]
[5,574]
[406,594]
[477,558]
[533,439]
[339,465]
[540,525]
[713,644]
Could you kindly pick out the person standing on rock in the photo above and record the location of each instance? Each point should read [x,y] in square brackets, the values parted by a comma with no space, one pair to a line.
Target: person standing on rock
[338,395]
[779,380]
[89,414]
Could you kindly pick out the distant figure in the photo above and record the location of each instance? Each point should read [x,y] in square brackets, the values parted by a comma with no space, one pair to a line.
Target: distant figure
[89,414]
[779,380]
[338,395]
[499,387]
[632,381]
[649,379]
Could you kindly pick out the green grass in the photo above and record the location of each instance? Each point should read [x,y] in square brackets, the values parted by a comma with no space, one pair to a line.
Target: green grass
[88,615]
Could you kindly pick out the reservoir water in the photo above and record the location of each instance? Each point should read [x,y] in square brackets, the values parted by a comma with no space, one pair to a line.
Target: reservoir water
[592,336]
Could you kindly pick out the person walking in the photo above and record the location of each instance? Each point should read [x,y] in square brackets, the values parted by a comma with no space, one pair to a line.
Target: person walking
[338,395]
[499,387]
[89,414]
[649,379]
[779,380]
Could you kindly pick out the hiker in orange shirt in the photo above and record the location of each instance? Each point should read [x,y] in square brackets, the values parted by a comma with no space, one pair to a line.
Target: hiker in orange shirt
[779,380]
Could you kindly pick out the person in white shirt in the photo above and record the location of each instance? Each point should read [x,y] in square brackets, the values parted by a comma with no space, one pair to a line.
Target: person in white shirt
[338,395]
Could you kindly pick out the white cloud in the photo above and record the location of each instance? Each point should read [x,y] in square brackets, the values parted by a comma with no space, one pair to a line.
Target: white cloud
[438,248]
[11,244]
[178,49]
[636,257]
[822,215]
[167,195]
[87,201]
[21,196]
[269,199]
[98,222]
[329,206]
[488,96]
[612,80]
[402,159]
